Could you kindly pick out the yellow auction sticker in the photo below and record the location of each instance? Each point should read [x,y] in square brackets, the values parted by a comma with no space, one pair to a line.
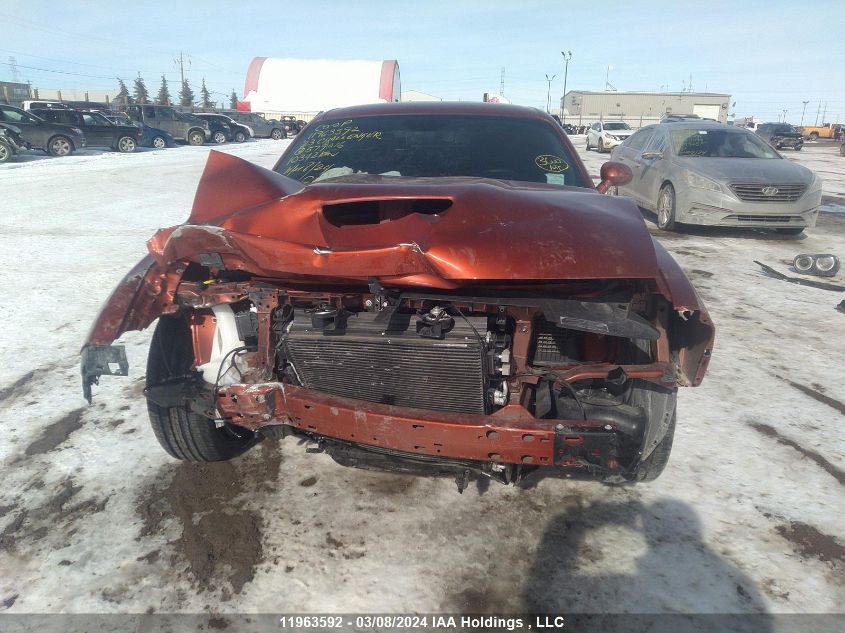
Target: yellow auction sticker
[551,163]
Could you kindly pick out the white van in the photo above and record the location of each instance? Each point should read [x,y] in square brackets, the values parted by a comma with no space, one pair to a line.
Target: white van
[42,105]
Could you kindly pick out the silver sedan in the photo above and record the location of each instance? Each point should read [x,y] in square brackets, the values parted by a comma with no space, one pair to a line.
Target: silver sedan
[709,173]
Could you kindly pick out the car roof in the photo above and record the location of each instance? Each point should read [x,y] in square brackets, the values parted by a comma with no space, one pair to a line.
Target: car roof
[700,124]
[474,108]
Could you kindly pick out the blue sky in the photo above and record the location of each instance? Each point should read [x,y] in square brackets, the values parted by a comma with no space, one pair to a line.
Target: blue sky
[769,56]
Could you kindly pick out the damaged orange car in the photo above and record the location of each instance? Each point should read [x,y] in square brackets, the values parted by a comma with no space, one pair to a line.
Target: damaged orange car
[428,288]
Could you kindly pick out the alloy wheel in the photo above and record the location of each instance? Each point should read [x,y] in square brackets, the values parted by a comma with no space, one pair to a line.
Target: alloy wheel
[60,147]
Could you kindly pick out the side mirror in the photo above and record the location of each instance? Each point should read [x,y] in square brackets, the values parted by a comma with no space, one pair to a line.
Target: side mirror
[652,155]
[614,174]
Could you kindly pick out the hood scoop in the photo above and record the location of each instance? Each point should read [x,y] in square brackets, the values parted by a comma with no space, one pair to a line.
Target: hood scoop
[380,211]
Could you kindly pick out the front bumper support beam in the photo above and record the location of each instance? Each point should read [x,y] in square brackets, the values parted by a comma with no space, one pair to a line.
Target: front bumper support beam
[510,435]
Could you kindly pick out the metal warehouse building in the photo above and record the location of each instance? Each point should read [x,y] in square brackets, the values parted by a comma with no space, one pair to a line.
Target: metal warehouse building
[582,107]
[304,87]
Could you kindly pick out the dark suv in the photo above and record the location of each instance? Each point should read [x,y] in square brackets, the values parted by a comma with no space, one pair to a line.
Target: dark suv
[780,135]
[192,130]
[98,130]
[53,138]
[234,130]
[261,127]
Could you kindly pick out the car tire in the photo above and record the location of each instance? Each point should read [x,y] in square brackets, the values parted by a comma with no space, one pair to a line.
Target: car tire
[814,136]
[842,150]
[666,212]
[652,466]
[185,434]
[276,134]
[5,152]
[219,138]
[240,137]
[601,145]
[792,230]
[196,138]
[661,408]
[588,143]
[126,145]
[159,142]
[60,146]
[797,148]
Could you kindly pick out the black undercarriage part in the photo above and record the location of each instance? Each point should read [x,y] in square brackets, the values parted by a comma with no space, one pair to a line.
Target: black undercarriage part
[797,280]
[102,360]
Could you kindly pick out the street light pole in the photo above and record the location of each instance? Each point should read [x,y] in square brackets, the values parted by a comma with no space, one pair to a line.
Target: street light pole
[549,92]
[803,111]
[607,77]
[566,57]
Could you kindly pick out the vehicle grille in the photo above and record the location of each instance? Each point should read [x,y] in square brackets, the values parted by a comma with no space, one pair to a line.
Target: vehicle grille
[769,219]
[399,368]
[753,192]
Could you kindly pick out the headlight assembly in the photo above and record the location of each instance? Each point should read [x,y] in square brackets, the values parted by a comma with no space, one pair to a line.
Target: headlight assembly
[816,185]
[821,264]
[700,182]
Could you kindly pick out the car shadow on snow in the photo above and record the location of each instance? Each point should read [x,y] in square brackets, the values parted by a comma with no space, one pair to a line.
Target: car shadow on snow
[634,557]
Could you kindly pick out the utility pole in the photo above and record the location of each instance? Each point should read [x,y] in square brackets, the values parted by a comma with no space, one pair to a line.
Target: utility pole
[818,111]
[566,57]
[824,114]
[549,92]
[803,111]
[607,77]
[181,63]
[13,68]
[502,83]
[784,115]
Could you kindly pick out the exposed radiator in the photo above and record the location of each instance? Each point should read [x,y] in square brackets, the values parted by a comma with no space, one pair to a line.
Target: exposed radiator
[399,367]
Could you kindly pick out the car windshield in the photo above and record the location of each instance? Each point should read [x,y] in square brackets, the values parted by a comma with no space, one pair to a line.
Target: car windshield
[719,143]
[784,129]
[96,119]
[507,148]
[616,126]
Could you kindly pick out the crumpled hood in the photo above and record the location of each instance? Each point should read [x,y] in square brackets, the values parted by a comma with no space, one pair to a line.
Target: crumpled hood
[257,220]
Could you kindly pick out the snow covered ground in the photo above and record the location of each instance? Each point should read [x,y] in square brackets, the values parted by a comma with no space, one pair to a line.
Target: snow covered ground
[94,517]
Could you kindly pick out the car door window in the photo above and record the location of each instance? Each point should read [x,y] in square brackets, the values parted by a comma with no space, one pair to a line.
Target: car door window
[637,141]
[657,143]
[13,116]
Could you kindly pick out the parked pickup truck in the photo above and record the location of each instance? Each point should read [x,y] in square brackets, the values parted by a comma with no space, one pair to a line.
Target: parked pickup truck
[815,132]
[192,130]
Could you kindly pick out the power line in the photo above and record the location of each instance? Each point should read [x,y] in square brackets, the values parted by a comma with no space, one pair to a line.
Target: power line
[62,72]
